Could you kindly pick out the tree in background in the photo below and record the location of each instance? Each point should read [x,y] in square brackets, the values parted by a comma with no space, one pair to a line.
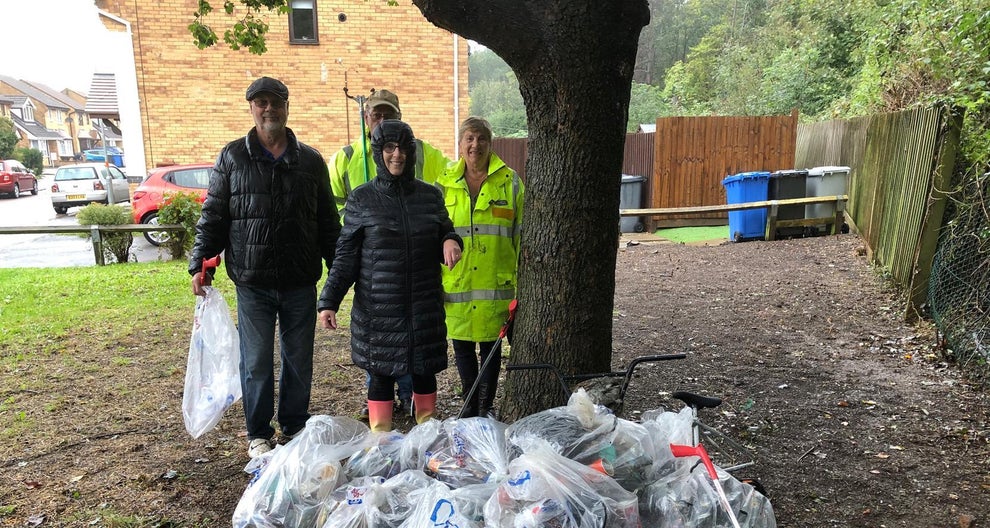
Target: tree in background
[495,94]
[8,138]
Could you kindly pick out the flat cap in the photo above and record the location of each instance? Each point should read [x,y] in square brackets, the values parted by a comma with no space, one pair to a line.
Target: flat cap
[267,84]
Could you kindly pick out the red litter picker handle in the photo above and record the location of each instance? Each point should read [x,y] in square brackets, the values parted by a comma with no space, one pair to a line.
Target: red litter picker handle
[211,263]
[505,326]
[699,450]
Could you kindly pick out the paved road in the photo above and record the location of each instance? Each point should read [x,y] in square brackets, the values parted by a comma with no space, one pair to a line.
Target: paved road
[51,251]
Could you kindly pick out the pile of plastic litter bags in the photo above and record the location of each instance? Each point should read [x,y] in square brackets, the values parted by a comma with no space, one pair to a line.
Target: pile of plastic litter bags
[576,466]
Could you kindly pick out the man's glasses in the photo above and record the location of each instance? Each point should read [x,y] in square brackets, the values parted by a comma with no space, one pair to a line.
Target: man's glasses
[390,147]
[378,116]
[275,104]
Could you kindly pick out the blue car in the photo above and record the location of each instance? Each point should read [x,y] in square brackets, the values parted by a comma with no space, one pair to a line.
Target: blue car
[98,153]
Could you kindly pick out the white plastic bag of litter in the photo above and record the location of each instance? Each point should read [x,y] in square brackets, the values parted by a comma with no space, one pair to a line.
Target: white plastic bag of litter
[213,380]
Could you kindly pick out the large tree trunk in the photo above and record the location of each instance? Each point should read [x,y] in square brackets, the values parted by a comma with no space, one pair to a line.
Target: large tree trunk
[574,61]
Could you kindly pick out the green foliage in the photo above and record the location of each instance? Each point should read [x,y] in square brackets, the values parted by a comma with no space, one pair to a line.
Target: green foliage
[8,138]
[249,31]
[115,245]
[183,209]
[646,104]
[31,158]
[495,94]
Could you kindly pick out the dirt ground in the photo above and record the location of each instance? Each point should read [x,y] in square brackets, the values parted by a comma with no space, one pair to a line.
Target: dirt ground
[854,417]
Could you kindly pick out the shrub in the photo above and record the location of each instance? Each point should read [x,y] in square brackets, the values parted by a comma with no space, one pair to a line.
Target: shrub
[31,158]
[182,209]
[116,245]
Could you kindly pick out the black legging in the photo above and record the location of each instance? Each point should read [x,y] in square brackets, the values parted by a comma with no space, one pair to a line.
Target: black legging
[382,388]
[468,365]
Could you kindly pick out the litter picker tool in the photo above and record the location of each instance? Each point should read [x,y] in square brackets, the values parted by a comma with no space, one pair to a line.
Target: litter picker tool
[360,99]
[699,450]
[211,263]
[484,366]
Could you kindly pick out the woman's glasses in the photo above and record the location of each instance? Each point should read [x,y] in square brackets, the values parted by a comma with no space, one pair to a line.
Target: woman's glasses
[390,147]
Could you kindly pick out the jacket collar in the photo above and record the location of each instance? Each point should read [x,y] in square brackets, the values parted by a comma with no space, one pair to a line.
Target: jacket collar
[258,153]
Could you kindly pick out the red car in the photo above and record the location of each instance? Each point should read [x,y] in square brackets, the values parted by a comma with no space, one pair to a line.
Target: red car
[161,182]
[15,179]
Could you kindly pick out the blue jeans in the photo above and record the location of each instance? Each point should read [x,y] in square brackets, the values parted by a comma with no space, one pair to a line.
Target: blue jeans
[258,309]
[404,382]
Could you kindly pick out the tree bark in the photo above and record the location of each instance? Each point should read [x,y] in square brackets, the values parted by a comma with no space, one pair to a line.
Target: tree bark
[574,61]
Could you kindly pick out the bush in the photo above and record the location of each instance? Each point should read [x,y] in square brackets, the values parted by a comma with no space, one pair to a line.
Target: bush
[182,209]
[116,245]
[31,158]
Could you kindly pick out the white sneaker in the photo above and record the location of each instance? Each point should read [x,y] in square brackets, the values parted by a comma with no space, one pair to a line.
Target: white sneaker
[258,447]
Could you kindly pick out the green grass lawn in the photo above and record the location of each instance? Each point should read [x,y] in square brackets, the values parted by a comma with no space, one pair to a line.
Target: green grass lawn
[687,235]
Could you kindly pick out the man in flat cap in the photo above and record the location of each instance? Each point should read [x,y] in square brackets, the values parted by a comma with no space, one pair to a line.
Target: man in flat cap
[353,166]
[270,210]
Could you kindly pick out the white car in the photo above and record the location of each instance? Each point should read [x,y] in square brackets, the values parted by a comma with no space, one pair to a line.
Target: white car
[87,183]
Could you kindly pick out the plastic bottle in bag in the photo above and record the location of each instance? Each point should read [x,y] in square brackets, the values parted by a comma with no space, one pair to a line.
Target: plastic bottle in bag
[547,513]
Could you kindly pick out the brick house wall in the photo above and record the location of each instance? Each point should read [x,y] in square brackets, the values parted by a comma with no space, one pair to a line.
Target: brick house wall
[192,101]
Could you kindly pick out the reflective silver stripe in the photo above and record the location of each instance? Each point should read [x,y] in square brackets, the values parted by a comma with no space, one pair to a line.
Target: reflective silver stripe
[480,295]
[484,229]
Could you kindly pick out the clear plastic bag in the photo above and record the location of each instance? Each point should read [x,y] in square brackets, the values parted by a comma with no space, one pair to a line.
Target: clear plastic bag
[436,505]
[473,451]
[379,460]
[545,489]
[290,489]
[213,380]
[590,434]
[687,499]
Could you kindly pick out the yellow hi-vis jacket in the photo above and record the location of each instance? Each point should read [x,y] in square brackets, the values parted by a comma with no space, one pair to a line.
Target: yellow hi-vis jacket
[347,168]
[478,290]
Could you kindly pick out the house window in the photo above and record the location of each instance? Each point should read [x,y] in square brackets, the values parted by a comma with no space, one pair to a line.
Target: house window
[302,22]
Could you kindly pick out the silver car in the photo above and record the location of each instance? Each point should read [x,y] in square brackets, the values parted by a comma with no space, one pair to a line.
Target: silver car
[87,183]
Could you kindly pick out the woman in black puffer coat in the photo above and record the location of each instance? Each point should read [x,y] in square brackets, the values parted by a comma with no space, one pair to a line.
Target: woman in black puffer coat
[396,235]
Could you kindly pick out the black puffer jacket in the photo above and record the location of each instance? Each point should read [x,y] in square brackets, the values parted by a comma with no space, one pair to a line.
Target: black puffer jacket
[391,250]
[275,220]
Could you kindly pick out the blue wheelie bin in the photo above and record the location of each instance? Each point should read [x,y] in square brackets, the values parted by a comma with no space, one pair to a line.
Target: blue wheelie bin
[749,224]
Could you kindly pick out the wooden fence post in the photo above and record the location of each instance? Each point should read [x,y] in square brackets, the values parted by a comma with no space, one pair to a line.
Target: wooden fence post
[94,233]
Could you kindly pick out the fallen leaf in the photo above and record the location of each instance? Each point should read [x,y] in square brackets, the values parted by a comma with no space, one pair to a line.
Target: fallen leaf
[868,402]
[32,484]
[843,403]
[170,474]
[953,496]
[76,478]
[882,455]
[897,448]
[35,520]
[875,471]
[201,460]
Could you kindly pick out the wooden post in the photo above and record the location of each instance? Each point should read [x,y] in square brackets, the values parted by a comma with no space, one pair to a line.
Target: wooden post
[840,207]
[94,233]
[771,231]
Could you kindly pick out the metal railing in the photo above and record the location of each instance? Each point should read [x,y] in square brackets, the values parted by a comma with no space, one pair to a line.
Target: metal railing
[95,232]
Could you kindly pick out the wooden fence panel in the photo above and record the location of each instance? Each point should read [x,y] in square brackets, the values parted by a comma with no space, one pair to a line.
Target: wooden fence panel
[899,165]
[692,155]
[513,152]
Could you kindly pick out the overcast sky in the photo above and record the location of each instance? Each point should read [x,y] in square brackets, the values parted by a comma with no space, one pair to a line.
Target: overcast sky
[54,42]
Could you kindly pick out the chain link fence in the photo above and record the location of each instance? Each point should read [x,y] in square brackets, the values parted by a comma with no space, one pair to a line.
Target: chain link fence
[959,286]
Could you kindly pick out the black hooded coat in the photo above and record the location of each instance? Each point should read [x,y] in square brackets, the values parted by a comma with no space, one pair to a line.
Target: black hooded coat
[391,249]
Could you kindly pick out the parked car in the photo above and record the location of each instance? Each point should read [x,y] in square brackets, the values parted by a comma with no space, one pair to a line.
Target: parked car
[162,181]
[15,178]
[97,154]
[86,183]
